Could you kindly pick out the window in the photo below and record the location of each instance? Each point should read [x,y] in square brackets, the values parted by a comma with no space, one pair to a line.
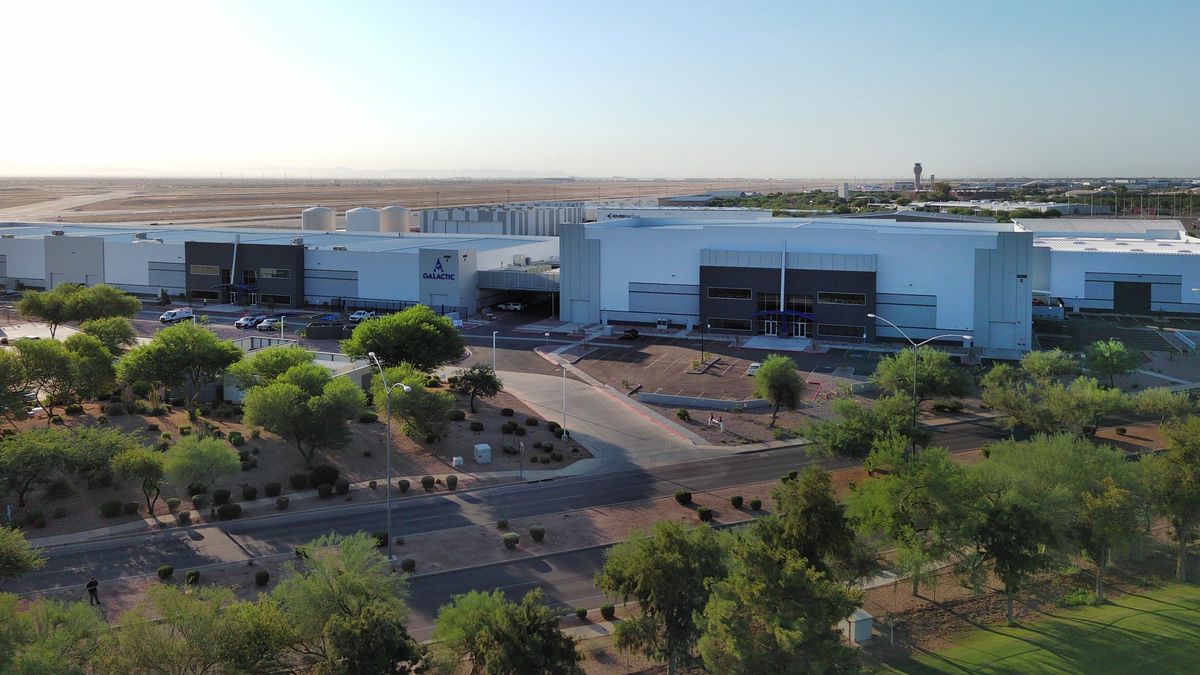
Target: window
[206,295]
[717,293]
[793,302]
[264,298]
[730,324]
[841,298]
[274,273]
[837,330]
[206,270]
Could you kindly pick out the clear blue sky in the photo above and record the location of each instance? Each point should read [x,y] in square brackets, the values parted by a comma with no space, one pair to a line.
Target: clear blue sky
[763,89]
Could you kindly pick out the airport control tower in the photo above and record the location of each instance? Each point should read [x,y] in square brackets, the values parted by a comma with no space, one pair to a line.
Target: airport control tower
[917,176]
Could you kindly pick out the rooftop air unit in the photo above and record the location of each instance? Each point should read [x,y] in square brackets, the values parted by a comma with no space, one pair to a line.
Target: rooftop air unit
[298,241]
[57,233]
[139,235]
[339,248]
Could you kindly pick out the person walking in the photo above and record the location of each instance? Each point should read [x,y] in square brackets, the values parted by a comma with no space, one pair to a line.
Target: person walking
[93,597]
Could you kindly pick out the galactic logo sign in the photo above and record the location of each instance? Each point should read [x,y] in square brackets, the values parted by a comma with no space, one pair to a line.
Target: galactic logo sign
[439,273]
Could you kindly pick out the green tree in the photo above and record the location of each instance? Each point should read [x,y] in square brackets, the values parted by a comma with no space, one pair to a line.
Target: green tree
[17,557]
[372,642]
[421,411]
[774,613]
[31,456]
[60,638]
[338,576]
[1109,518]
[777,381]
[1014,540]
[265,365]
[1172,484]
[1163,404]
[200,461]
[1018,397]
[311,421]
[668,572]
[937,376]
[1083,403]
[52,307]
[256,637]
[855,428]
[50,369]
[1110,358]
[503,637]
[146,466]
[12,385]
[477,381]
[1049,365]
[175,631]
[812,522]
[91,450]
[115,332]
[182,355]
[417,336]
[93,371]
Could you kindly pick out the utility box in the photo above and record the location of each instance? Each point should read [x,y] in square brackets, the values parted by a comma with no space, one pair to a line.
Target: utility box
[857,627]
[483,453]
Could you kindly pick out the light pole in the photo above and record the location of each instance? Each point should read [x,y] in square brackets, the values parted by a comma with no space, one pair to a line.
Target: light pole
[387,397]
[494,350]
[916,360]
[564,394]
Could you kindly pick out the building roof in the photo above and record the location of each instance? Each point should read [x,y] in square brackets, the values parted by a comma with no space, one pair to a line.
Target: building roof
[1187,246]
[1115,227]
[684,223]
[313,239]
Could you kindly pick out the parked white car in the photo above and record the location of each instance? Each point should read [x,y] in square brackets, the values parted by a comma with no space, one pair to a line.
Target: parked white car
[269,324]
[176,315]
[511,306]
[361,315]
[249,321]
[753,368]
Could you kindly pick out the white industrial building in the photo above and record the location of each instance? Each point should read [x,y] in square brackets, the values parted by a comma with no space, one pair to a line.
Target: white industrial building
[519,219]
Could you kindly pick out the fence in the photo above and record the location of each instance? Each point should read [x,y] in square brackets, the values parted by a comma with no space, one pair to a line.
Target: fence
[350,305]
[703,403]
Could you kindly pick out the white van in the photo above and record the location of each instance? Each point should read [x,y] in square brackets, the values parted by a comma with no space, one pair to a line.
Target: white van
[176,315]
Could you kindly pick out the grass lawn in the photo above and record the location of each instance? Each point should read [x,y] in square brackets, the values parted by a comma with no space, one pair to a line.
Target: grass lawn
[1157,631]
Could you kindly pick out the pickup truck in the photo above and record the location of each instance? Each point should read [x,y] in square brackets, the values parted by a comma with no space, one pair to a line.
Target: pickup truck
[511,306]
[361,315]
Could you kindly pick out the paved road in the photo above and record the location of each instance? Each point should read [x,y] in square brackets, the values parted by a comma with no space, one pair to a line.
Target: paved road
[139,554]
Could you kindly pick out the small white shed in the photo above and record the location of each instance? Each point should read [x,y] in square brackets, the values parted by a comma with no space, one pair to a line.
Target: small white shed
[857,627]
[483,453]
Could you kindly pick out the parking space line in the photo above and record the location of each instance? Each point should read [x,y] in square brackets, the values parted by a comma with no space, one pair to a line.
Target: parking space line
[649,365]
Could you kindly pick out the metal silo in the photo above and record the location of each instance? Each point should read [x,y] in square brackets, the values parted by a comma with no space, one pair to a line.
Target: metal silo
[317,218]
[393,219]
[362,219]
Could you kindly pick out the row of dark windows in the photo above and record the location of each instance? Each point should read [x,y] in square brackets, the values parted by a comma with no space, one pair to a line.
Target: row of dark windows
[797,302]
[823,329]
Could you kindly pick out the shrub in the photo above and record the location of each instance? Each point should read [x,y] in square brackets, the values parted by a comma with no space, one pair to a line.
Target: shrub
[431,438]
[551,426]
[73,409]
[508,428]
[192,577]
[199,501]
[755,504]
[324,490]
[403,485]
[165,572]
[229,511]
[457,415]
[532,421]
[558,433]
[476,426]
[534,459]
[556,456]
[509,449]
[184,518]
[537,445]
[202,410]
[59,488]
[56,420]
[1077,598]
[173,504]
[367,417]
[221,496]
[451,482]
[427,483]
[281,503]
[705,514]
[323,473]
[547,447]
[243,455]
[236,439]
[249,493]
[59,512]
[272,489]
[947,405]
[166,435]
[736,501]
[129,508]
[247,465]
[581,613]
[502,523]
[255,433]
[683,497]
[103,419]
[298,481]
[36,518]
[1121,431]
[408,565]
[262,578]
[608,612]
[683,414]
[506,412]
[342,486]
[381,538]
[114,410]
[537,532]
[511,540]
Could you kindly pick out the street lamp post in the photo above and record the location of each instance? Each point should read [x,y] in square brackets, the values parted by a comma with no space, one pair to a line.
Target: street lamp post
[916,360]
[702,342]
[494,350]
[387,397]
[564,394]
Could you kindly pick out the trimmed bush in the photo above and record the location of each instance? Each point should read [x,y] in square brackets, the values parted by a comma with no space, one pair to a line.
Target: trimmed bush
[165,572]
[556,456]
[73,409]
[129,508]
[755,504]
[247,465]
[608,612]
[581,613]
[367,417]
[381,538]
[403,484]
[166,435]
[534,459]
[547,447]
[298,481]
[551,426]
[36,518]
[324,490]
[173,504]
[705,514]
[342,486]
[506,412]
[272,489]
[508,427]
[736,501]
[202,410]
[431,438]
[281,503]
[532,421]
[427,483]
[1121,431]
[323,473]
[262,578]
[199,501]
[502,523]
[683,414]
[511,540]
[408,565]
[184,518]
[236,439]
[457,415]
[185,430]
[558,433]
[520,431]
[508,449]
[114,410]
[229,511]
[538,533]
[476,426]
[537,445]
[451,482]
[192,577]
[683,497]
[249,493]
[221,496]
[255,433]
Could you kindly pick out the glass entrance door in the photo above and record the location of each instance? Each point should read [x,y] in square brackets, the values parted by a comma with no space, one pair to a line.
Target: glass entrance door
[768,327]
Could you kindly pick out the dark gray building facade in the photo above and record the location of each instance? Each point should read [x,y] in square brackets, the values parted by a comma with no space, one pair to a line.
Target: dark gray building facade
[265,273]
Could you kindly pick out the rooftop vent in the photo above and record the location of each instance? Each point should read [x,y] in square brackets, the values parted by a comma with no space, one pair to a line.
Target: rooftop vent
[57,233]
[298,241]
[8,236]
[339,248]
[1091,248]
[139,235]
